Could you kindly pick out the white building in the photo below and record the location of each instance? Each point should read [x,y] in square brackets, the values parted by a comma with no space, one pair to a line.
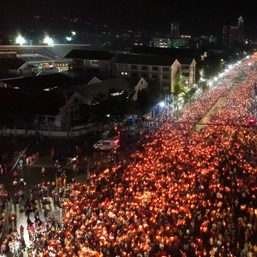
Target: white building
[163,69]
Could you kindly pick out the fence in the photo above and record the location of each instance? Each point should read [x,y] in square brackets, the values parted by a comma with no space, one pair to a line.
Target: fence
[48,133]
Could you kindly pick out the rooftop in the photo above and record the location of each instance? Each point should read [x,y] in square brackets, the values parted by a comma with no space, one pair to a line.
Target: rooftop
[39,83]
[174,52]
[32,57]
[104,87]
[11,63]
[145,59]
[17,102]
[90,55]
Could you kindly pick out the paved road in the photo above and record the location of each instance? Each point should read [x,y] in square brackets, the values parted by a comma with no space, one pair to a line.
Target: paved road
[240,78]
[215,108]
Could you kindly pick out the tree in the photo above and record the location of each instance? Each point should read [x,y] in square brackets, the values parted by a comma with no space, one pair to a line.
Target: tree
[203,85]
[179,86]
[116,106]
[189,94]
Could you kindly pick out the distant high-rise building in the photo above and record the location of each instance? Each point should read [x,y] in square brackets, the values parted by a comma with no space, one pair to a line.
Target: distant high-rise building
[175,30]
[212,39]
[225,35]
[240,22]
[241,30]
[232,34]
[161,42]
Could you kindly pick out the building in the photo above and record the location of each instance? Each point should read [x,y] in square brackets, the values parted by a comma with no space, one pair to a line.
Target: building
[22,110]
[87,59]
[160,42]
[60,108]
[161,68]
[175,30]
[234,34]
[179,43]
[225,35]
[96,90]
[9,67]
[28,61]
[39,84]
[241,30]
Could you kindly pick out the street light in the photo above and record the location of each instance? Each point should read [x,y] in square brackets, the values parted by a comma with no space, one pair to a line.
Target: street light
[162,104]
[48,40]
[210,83]
[20,40]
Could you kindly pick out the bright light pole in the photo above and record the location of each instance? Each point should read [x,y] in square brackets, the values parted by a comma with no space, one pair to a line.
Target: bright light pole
[20,40]
[162,104]
[48,40]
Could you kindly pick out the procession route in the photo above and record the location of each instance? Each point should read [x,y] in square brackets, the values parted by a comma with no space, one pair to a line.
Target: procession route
[215,108]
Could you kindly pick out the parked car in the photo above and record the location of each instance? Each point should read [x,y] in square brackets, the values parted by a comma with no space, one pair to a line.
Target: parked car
[107,144]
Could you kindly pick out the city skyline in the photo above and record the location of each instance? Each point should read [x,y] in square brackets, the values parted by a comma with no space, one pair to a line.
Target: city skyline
[195,17]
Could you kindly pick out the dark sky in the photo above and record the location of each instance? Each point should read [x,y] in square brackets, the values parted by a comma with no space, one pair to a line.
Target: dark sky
[195,16]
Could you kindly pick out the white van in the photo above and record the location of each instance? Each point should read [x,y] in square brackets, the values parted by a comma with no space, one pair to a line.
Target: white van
[107,144]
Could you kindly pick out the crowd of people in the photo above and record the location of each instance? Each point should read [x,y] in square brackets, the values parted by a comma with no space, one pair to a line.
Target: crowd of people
[32,158]
[34,203]
[183,193]
[3,164]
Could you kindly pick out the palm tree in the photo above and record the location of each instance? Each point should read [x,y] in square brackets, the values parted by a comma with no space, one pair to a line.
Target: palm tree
[179,90]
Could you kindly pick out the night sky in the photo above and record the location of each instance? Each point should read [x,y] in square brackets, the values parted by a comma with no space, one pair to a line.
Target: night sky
[194,16]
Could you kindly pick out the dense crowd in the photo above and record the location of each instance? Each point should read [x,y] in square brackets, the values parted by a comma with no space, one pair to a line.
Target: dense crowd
[184,193]
[35,204]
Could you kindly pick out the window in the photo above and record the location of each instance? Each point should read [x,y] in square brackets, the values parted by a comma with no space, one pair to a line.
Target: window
[166,69]
[134,67]
[94,62]
[155,68]
[143,67]
[185,73]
